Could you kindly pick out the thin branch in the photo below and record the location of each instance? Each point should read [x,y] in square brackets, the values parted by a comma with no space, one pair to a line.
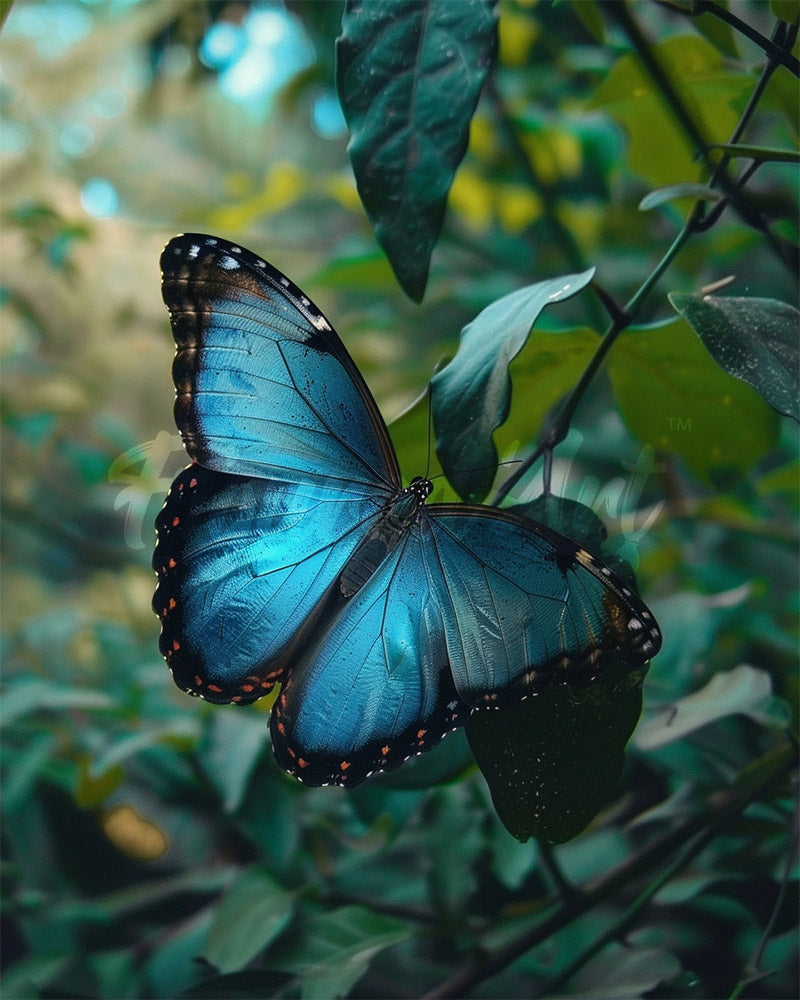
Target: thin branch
[556,430]
[722,807]
[777,54]
[561,234]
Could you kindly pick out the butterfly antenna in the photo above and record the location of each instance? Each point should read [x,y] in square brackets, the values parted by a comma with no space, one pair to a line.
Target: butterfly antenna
[430,429]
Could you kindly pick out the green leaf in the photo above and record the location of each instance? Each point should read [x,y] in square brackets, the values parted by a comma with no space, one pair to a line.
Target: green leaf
[335,949]
[552,761]
[235,742]
[659,149]
[621,972]
[252,913]
[409,76]
[786,10]
[471,396]
[756,340]
[34,695]
[182,729]
[674,397]
[675,191]
[744,690]
[764,153]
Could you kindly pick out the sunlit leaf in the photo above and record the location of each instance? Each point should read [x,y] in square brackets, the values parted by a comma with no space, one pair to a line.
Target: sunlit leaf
[471,396]
[409,77]
[713,94]
[675,398]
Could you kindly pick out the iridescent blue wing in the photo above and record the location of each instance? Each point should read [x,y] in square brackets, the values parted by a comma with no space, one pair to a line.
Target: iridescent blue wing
[526,607]
[264,385]
[475,608]
[245,569]
[293,462]
[374,689]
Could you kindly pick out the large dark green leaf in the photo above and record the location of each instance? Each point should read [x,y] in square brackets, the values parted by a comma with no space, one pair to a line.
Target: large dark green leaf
[552,761]
[409,76]
[756,340]
[471,396]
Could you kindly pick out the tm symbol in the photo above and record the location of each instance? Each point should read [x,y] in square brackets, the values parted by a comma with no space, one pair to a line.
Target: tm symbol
[679,423]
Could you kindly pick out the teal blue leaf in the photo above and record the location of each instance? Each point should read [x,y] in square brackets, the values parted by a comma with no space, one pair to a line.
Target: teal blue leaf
[755,340]
[34,695]
[336,948]
[471,396]
[409,76]
[251,914]
[235,742]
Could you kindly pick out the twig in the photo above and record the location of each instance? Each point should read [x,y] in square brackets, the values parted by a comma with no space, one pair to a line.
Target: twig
[556,430]
[725,805]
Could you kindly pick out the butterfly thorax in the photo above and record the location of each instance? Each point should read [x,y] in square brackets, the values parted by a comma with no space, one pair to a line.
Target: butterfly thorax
[395,520]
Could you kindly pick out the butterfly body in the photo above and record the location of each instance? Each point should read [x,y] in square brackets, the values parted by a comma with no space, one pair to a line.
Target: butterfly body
[290,552]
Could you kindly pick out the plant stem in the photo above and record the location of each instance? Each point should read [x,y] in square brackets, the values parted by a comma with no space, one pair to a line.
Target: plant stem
[780,56]
[697,221]
[563,237]
[721,808]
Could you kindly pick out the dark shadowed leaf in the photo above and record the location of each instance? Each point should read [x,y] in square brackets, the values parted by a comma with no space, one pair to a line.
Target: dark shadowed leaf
[471,396]
[409,76]
[756,340]
[335,949]
[553,760]
[620,972]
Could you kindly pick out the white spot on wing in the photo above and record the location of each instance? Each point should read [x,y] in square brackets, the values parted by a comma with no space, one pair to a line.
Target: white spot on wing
[228,263]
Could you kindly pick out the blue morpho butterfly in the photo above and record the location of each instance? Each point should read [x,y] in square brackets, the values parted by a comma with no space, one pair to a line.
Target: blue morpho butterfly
[289,551]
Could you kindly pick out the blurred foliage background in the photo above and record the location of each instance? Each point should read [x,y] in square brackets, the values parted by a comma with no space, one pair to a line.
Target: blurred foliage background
[151,847]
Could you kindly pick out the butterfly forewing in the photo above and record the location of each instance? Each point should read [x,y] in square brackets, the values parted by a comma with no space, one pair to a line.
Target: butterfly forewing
[264,386]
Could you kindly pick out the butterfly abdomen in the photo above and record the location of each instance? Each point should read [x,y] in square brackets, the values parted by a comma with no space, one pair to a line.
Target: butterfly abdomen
[391,527]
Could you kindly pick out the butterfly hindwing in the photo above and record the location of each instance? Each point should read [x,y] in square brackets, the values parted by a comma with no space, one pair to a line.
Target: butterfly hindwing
[476,608]
[243,567]
[375,688]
